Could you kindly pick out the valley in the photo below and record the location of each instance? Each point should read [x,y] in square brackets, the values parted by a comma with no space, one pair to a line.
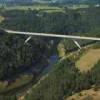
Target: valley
[48,68]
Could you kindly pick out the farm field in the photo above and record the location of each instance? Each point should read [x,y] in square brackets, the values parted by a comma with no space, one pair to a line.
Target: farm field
[78,6]
[88,60]
[45,8]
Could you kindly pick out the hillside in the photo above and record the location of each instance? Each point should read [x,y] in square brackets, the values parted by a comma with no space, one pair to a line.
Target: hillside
[63,81]
[88,60]
[90,94]
[22,66]
[77,23]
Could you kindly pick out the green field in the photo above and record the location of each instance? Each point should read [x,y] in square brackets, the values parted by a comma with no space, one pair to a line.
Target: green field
[9,88]
[35,7]
[46,8]
[78,6]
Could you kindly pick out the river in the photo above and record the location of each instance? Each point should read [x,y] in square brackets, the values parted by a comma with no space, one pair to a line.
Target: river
[52,60]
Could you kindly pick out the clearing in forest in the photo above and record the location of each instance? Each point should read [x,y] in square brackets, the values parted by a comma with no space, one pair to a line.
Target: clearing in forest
[88,60]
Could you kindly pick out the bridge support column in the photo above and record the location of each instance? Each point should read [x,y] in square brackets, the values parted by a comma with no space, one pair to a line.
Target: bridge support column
[77,44]
[28,39]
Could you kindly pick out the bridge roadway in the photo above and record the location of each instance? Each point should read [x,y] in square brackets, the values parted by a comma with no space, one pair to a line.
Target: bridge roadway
[53,35]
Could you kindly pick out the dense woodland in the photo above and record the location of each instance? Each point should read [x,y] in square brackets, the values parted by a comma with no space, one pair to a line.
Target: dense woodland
[64,81]
[16,57]
[80,21]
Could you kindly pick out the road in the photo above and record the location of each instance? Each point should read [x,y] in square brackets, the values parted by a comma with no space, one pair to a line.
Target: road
[53,35]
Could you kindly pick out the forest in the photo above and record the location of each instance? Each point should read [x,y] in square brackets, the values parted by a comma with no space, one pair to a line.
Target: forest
[65,80]
[16,58]
[79,21]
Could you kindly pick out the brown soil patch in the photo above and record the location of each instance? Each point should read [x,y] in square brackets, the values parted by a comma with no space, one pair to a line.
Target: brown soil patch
[88,60]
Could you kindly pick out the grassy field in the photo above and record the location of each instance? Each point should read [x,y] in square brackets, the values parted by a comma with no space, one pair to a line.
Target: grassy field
[1,19]
[88,60]
[8,88]
[35,7]
[61,50]
[90,94]
[45,8]
[78,6]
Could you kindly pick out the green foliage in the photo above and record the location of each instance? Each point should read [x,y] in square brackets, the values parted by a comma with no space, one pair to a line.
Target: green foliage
[64,81]
[16,57]
[8,97]
[77,22]
[95,75]
[17,85]
[61,81]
